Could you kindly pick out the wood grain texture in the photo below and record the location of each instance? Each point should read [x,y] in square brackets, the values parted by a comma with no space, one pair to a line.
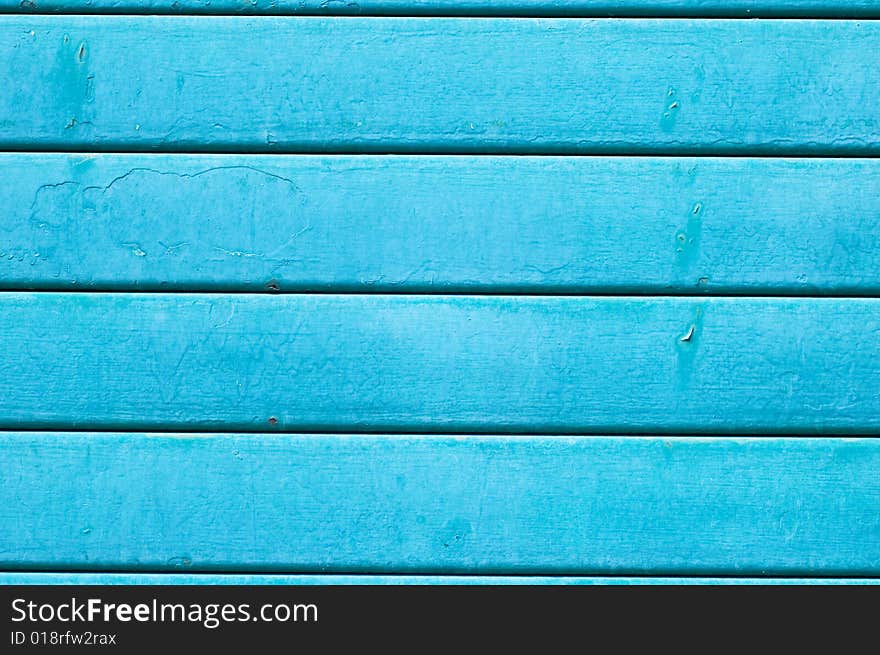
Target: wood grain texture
[22,578]
[440,224]
[374,85]
[439,363]
[440,504]
[746,8]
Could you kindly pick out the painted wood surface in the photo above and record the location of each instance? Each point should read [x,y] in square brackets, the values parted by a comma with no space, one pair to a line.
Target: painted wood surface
[745,8]
[21,578]
[373,85]
[253,399]
[440,504]
[439,363]
[440,224]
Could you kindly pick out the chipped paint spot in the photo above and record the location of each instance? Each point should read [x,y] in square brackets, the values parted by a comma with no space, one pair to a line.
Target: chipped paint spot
[689,335]
[670,111]
[687,343]
[136,249]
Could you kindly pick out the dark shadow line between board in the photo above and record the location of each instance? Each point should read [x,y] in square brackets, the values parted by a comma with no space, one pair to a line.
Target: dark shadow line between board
[250,150]
[398,573]
[391,292]
[838,15]
[428,154]
[361,432]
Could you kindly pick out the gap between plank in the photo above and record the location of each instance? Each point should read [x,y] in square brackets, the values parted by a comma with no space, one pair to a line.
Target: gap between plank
[440,13]
[370,572]
[341,154]
[369,433]
[769,151]
[335,574]
[169,290]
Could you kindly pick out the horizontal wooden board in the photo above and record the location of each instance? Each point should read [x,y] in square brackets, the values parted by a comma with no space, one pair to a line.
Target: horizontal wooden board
[441,85]
[440,504]
[15,578]
[440,224]
[748,8]
[439,363]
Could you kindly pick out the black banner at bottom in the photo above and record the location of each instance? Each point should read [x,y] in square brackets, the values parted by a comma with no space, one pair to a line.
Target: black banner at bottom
[133,619]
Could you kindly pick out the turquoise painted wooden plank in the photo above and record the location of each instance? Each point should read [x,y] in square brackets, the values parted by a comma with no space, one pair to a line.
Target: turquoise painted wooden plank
[753,8]
[440,224]
[439,363]
[440,504]
[13,578]
[443,85]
